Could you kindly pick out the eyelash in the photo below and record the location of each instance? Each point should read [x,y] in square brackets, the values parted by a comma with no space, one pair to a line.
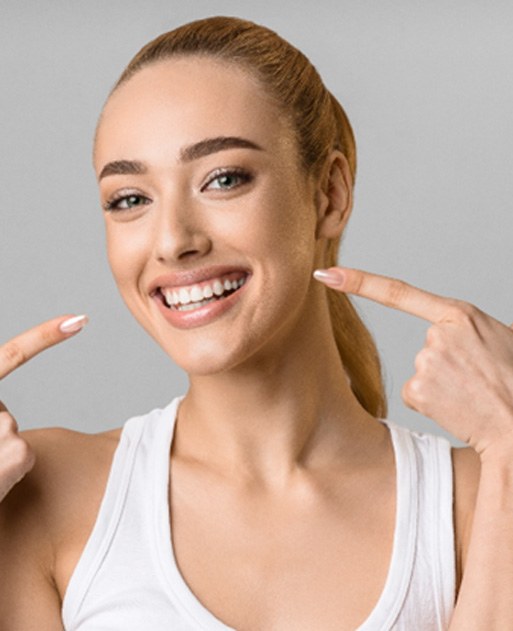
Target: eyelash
[112,204]
[243,177]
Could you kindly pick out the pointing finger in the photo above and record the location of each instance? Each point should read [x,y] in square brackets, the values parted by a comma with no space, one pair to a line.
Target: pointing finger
[28,344]
[388,291]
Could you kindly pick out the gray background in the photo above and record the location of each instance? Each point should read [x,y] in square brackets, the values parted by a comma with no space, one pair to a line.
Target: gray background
[428,87]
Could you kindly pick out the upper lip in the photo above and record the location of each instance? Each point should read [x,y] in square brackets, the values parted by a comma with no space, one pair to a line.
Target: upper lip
[190,277]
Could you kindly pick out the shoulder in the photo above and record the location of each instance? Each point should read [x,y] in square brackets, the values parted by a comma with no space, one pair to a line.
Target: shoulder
[66,483]
[71,467]
[466,471]
[68,467]
[44,515]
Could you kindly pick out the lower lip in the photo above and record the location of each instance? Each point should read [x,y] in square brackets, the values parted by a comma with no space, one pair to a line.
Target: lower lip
[202,315]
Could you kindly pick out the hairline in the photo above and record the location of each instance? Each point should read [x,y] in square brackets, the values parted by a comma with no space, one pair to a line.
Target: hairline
[286,116]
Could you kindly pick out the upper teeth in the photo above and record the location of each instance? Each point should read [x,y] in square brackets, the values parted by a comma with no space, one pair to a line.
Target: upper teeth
[185,295]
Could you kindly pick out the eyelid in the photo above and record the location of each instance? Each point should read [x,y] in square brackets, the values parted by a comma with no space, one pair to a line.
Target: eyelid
[244,174]
[110,204]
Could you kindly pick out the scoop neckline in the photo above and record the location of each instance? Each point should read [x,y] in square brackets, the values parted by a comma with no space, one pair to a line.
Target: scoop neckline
[389,603]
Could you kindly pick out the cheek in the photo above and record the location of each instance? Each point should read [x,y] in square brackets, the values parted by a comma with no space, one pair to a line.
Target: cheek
[282,224]
[126,252]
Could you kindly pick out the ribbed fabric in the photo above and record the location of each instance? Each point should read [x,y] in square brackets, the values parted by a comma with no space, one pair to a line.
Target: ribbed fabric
[127,578]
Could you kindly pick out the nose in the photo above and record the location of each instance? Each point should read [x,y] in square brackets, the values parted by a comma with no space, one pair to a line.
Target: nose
[180,234]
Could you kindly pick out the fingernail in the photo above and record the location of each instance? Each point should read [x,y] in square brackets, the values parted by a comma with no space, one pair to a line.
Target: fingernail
[72,325]
[330,277]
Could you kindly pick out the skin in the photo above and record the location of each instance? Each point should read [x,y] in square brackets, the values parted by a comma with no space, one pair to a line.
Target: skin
[269,425]
[464,381]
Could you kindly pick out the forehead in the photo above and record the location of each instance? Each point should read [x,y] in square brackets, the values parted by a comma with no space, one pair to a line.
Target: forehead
[184,100]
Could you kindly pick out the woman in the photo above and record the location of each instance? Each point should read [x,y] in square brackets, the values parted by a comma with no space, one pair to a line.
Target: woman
[272,495]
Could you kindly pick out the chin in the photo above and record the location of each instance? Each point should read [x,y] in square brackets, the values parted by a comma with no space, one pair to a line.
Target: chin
[206,357]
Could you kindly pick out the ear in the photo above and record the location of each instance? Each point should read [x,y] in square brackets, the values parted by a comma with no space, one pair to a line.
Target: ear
[334,196]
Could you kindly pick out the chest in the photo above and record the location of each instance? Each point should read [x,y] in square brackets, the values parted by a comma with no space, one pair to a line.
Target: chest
[313,562]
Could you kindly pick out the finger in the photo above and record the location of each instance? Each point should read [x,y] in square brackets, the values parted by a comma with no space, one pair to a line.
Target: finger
[8,424]
[16,456]
[389,292]
[26,345]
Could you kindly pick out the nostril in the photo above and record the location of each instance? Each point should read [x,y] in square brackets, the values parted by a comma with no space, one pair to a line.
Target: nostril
[188,254]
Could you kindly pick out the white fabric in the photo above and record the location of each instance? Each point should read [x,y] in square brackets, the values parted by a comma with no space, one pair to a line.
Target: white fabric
[127,578]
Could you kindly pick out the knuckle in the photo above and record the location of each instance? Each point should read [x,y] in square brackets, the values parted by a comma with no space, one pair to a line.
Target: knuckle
[425,358]
[397,293]
[463,312]
[357,281]
[433,336]
[8,425]
[412,392]
[17,459]
[12,354]
[21,452]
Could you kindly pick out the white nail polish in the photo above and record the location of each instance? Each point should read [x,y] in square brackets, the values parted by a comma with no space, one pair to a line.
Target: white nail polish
[72,325]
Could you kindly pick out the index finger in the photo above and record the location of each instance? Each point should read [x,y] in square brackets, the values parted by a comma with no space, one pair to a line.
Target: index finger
[393,293]
[25,346]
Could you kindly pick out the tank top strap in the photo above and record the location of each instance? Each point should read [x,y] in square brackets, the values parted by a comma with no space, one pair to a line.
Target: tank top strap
[437,504]
[394,594]
[134,452]
[424,535]
[129,561]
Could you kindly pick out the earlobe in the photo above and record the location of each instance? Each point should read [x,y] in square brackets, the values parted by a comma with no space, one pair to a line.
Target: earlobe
[334,197]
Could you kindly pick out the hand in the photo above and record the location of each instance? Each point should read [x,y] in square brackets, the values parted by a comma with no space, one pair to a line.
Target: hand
[464,373]
[16,457]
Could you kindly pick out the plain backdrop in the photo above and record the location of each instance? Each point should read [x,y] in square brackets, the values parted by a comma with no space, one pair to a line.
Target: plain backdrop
[428,87]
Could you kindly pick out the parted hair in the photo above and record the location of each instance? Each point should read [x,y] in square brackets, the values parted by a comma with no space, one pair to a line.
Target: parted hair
[320,125]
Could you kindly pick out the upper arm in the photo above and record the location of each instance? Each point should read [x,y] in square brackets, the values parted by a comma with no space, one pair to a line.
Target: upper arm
[466,471]
[28,597]
[45,521]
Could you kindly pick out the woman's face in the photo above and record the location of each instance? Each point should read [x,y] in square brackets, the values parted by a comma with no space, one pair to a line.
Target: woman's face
[206,210]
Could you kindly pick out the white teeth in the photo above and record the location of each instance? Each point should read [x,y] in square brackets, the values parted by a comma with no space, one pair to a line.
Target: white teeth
[194,297]
[218,288]
[195,305]
[184,296]
[196,294]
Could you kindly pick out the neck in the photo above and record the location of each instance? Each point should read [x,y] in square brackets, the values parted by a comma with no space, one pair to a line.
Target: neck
[290,410]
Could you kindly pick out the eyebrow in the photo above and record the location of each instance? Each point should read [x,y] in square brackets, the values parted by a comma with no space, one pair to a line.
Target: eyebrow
[187,154]
[213,145]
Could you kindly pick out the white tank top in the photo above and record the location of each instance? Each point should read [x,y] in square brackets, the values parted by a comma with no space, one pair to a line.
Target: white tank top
[127,578]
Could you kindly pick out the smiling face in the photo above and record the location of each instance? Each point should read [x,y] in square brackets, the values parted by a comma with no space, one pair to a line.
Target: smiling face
[207,210]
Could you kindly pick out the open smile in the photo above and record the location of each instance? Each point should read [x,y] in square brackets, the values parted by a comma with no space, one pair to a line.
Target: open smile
[200,294]
[198,304]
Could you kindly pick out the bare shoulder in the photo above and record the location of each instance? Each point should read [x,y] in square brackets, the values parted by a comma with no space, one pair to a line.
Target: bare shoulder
[69,477]
[64,451]
[67,463]
[466,471]
[44,515]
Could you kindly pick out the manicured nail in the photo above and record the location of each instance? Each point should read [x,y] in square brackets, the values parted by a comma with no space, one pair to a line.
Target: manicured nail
[332,277]
[73,325]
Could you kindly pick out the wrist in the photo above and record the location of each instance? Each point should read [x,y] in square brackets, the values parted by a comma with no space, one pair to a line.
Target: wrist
[498,456]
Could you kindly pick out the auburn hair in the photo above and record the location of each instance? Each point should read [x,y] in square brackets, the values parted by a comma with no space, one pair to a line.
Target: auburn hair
[320,125]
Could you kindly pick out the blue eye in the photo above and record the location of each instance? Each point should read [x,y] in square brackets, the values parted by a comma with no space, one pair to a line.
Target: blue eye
[227,180]
[126,202]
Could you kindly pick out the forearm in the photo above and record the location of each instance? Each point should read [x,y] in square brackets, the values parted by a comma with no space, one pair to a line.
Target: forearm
[485,599]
